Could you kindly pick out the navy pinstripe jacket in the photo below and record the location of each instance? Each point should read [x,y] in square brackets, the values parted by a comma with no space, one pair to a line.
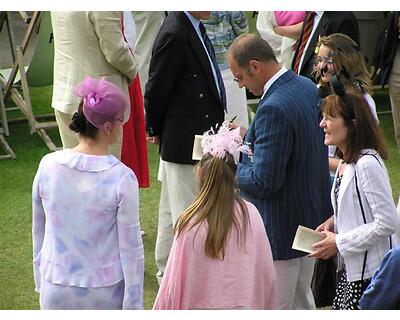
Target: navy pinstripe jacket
[288,177]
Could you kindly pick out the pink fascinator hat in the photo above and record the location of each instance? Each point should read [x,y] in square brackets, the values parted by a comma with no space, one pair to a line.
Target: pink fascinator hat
[103,101]
[224,141]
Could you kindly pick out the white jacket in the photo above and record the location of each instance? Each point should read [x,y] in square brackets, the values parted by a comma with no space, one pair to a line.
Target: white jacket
[88,43]
[354,237]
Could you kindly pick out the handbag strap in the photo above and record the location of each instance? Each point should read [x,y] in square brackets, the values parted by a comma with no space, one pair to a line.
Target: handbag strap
[365,221]
[363,213]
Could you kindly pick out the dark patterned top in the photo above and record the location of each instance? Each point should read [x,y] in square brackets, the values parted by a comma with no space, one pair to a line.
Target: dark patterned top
[337,187]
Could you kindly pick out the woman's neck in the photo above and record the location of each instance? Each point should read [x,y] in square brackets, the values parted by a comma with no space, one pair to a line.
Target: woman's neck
[342,148]
[93,147]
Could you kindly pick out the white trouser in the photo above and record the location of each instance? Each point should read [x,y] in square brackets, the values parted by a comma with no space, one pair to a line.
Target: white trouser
[178,190]
[394,91]
[294,284]
[236,100]
[69,138]
[148,24]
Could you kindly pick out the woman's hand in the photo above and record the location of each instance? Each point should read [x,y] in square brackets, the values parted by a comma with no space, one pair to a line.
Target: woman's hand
[326,226]
[325,248]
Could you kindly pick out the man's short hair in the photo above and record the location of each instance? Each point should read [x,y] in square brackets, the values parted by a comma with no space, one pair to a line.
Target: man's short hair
[249,47]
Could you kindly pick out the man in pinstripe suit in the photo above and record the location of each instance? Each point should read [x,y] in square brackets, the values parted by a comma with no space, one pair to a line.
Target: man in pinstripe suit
[287,177]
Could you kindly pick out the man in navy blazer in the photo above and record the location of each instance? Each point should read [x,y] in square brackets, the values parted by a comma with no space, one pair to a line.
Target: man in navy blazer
[182,98]
[287,177]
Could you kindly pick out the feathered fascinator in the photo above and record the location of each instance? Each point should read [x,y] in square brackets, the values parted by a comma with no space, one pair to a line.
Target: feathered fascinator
[102,100]
[224,141]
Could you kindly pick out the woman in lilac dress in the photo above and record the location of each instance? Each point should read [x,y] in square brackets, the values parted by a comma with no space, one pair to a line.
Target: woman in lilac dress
[87,247]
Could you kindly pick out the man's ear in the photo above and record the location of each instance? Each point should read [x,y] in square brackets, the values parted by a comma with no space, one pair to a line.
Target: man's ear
[254,66]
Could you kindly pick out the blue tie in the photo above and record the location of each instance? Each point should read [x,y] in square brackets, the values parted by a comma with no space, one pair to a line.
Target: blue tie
[211,53]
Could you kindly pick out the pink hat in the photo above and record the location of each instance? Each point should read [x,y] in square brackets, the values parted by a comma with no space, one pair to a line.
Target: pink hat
[226,140]
[103,101]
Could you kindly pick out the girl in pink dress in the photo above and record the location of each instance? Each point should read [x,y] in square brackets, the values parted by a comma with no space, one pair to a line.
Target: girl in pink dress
[221,257]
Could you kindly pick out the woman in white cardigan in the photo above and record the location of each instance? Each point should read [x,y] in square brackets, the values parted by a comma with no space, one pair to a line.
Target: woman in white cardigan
[364,218]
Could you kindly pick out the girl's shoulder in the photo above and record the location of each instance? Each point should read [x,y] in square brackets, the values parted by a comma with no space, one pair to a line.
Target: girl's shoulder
[251,209]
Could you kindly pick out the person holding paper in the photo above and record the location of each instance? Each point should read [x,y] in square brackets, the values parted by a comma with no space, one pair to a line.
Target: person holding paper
[220,257]
[184,96]
[287,177]
[365,215]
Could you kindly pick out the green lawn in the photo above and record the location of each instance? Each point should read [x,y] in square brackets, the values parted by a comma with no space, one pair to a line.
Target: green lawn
[16,282]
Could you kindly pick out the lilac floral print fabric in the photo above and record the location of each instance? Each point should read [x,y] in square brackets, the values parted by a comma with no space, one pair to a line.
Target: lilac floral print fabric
[86,230]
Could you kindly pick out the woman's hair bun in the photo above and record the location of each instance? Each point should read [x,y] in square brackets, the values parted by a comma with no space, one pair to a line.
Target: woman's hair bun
[78,123]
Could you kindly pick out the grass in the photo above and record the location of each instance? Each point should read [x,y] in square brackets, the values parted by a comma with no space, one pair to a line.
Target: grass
[16,176]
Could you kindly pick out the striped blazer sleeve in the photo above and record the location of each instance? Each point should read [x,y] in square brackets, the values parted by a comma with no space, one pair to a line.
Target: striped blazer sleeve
[271,148]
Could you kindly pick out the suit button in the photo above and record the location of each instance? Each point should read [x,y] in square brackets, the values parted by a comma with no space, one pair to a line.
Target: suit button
[194,75]
[207,116]
[201,95]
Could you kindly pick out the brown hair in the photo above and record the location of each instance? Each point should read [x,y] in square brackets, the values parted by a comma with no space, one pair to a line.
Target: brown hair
[81,125]
[249,47]
[363,129]
[348,60]
[215,204]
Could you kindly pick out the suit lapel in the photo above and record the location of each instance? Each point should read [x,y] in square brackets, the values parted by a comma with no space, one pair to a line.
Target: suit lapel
[199,52]
[314,39]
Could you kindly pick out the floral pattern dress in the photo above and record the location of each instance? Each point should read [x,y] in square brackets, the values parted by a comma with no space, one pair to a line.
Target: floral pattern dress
[87,246]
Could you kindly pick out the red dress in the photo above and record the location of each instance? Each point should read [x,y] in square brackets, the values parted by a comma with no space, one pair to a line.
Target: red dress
[134,148]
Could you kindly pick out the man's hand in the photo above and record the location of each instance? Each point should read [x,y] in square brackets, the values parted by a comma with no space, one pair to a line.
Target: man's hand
[234,126]
[153,140]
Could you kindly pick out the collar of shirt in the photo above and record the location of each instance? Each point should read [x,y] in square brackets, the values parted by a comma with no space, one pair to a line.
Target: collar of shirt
[195,23]
[272,80]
